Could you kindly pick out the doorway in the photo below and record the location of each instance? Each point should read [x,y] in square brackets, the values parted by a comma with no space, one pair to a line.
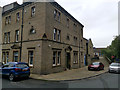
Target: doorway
[68,65]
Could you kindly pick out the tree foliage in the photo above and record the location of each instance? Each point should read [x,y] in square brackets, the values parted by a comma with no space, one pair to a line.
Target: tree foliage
[113,49]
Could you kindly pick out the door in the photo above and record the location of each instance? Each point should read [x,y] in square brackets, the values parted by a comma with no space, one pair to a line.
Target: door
[68,65]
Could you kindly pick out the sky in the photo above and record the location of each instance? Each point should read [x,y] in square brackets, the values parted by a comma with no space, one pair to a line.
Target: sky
[99,17]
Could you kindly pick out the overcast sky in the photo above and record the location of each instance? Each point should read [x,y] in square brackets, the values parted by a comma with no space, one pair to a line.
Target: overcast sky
[99,17]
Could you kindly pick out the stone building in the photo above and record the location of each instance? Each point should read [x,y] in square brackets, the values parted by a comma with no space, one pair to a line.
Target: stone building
[42,34]
[0,34]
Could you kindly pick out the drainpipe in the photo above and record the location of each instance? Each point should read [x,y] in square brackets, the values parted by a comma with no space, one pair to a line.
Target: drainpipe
[21,33]
[79,49]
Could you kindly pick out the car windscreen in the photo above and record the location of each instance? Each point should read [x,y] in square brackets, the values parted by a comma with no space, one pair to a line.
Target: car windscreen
[115,64]
[95,63]
[21,65]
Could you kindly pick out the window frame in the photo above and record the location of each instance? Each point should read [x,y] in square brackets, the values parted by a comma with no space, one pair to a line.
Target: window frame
[33,9]
[29,58]
[17,32]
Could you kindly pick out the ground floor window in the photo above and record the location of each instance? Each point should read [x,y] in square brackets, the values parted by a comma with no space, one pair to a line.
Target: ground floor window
[56,58]
[30,57]
[15,56]
[5,57]
[75,57]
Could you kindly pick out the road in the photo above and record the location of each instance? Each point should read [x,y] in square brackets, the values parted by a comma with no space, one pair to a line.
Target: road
[106,80]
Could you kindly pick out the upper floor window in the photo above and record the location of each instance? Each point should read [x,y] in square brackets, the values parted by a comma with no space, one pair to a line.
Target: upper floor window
[57,15]
[33,11]
[7,20]
[8,37]
[17,16]
[16,35]
[75,40]
[57,35]
[67,22]
[5,37]
[74,26]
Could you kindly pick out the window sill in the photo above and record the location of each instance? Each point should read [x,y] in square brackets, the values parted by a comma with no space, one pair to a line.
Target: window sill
[56,66]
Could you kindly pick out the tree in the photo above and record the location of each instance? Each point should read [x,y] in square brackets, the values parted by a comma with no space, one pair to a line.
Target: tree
[113,49]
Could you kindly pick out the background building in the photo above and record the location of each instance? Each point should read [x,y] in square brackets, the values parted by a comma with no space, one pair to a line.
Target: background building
[44,35]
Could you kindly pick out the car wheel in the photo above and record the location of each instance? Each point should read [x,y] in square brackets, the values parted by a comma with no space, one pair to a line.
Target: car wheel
[109,71]
[11,77]
[98,69]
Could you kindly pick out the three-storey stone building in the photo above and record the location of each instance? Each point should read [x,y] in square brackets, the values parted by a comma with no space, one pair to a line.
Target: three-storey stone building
[42,34]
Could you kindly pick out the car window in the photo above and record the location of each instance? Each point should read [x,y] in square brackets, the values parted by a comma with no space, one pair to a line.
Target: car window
[6,65]
[95,63]
[22,65]
[115,64]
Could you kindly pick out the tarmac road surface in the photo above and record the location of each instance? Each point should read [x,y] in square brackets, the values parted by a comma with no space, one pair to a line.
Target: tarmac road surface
[107,80]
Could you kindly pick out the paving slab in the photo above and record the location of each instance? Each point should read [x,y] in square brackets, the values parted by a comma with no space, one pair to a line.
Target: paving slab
[73,74]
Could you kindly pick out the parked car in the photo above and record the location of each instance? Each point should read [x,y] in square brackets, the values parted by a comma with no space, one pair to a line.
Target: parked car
[15,70]
[114,67]
[96,66]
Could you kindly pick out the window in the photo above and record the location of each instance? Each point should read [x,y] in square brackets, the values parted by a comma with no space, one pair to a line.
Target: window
[8,37]
[75,40]
[9,20]
[58,32]
[3,58]
[16,35]
[57,15]
[54,35]
[75,59]
[68,38]
[6,20]
[33,11]
[30,57]
[57,35]
[5,37]
[7,57]
[59,58]
[67,22]
[17,16]
[54,58]
[15,56]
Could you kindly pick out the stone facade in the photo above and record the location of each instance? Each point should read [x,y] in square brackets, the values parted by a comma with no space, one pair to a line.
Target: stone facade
[0,34]
[44,35]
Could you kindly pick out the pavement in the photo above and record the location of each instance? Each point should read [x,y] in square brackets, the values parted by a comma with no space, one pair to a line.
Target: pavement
[73,74]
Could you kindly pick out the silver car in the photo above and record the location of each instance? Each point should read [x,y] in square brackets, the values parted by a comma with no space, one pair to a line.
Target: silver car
[114,67]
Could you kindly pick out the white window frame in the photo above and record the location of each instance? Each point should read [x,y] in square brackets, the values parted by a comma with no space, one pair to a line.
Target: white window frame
[16,35]
[58,57]
[55,34]
[18,16]
[8,37]
[59,35]
[54,57]
[29,57]
[32,11]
